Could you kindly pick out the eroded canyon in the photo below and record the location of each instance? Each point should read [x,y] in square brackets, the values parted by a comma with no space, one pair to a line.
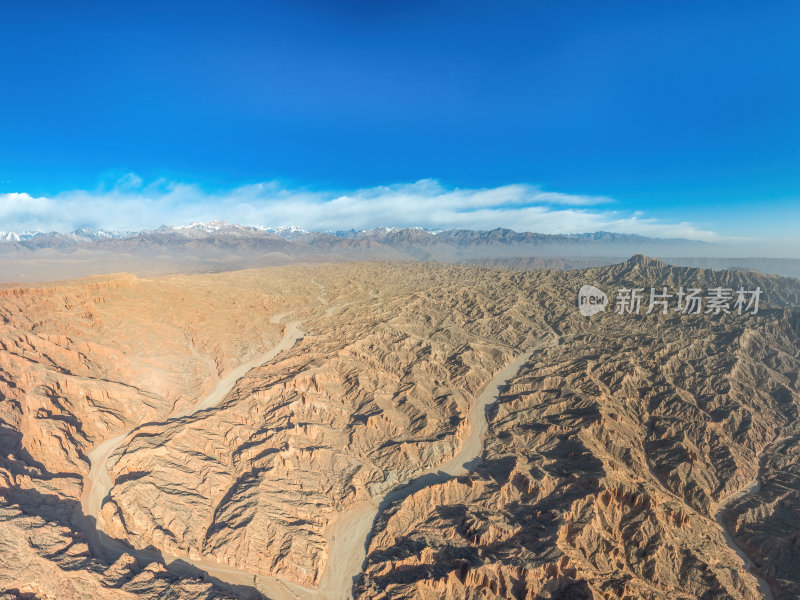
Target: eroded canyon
[325,430]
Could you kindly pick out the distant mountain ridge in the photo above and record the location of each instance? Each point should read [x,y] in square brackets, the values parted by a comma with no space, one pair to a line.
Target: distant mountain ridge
[387,235]
[218,245]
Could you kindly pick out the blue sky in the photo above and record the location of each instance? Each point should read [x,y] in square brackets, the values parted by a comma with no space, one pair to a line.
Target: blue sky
[662,112]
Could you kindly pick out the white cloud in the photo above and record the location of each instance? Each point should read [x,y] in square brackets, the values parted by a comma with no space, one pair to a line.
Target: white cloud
[131,204]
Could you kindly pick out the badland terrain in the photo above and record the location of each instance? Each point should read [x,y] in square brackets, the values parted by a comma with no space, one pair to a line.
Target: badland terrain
[398,430]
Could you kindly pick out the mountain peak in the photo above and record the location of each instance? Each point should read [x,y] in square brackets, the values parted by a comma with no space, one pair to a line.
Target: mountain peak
[640,260]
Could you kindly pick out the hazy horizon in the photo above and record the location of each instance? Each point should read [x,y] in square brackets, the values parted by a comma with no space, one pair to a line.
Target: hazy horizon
[129,204]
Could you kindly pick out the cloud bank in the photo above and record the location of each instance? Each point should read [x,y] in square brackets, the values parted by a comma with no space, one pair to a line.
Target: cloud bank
[131,205]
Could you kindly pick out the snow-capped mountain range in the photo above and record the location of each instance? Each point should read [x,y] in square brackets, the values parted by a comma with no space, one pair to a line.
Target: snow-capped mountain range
[407,234]
[216,245]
